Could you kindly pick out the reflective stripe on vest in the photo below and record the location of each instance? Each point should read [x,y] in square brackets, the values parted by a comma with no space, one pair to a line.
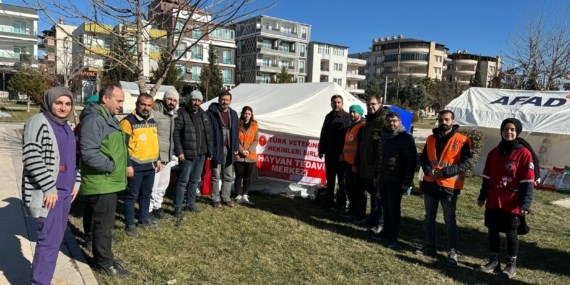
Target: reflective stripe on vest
[351,143]
[246,138]
[450,156]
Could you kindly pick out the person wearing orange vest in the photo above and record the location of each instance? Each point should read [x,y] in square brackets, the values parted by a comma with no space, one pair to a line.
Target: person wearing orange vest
[353,186]
[445,158]
[245,160]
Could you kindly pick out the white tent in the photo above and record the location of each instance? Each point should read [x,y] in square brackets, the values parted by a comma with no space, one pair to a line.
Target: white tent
[545,116]
[297,108]
[131,90]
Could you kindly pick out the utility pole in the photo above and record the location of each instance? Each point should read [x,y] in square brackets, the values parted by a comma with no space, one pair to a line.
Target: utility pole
[385,89]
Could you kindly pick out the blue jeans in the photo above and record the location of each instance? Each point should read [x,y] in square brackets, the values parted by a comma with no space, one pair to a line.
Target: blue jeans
[189,173]
[449,205]
[139,188]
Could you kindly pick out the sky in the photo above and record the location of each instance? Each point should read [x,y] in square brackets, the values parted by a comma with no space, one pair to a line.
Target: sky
[480,27]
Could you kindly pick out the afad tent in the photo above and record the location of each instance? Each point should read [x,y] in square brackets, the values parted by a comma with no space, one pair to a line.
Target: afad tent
[290,117]
[131,90]
[545,116]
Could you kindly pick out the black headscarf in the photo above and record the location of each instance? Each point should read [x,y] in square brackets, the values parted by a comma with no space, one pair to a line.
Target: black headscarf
[505,147]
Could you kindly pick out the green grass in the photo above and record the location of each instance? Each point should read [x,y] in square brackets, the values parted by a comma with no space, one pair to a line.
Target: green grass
[424,124]
[283,240]
[19,116]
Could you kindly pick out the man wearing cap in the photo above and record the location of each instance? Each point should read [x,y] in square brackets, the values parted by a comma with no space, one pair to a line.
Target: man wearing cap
[193,143]
[331,143]
[164,115]
[353,186]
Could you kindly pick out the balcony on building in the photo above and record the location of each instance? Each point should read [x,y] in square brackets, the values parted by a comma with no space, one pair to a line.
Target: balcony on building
[278,28]
[354,90]
[47,41]
[356,62]
[355,76]
[465,69]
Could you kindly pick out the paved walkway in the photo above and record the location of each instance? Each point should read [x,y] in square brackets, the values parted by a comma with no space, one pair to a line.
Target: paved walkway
[18,233]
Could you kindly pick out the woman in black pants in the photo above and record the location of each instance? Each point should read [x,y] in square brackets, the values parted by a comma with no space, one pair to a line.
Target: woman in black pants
[246,158]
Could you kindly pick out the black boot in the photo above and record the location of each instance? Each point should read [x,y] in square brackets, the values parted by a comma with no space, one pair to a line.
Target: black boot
[494,265]
[510,269]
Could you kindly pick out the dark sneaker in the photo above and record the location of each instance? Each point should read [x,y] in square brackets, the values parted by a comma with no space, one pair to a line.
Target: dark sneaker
[347,214]
[160,215]
[494,265]
[181,215]
[148,225]
[114,271]
[451,258]
[426,251]
[359,221]
[510,269]
[380,236]
[392,243]
[194,210]
[131,231]
[228,204]
[217,205]
[377,229]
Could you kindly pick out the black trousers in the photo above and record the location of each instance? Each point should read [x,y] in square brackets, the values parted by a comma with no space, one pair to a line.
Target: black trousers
[334,171]
[355,191]
[104,207]
[499,221]
[88,221]
[391,199]
[243,174]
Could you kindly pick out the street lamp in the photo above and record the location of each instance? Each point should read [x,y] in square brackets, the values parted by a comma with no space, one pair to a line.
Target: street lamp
[385,89]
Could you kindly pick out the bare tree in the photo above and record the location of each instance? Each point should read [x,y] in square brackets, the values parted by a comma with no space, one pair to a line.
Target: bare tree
[539,52]
[132,21]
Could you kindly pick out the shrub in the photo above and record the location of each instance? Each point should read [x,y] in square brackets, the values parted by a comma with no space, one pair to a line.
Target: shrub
[478,140]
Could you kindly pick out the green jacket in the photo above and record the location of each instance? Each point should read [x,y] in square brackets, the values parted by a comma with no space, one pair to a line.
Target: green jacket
[104,155]
[369,144]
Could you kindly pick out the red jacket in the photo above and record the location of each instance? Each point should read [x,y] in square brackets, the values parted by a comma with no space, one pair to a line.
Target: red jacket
[508,181]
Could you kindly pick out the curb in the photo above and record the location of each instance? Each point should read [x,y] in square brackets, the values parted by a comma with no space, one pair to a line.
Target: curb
[79,259]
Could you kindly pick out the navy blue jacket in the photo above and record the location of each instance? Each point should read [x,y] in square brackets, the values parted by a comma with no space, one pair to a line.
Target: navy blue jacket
[217,125]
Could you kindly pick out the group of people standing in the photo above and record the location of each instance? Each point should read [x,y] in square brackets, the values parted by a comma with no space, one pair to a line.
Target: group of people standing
[375,154]
[136,154]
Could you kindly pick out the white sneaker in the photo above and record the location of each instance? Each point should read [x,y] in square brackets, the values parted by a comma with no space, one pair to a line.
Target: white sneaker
[245,199]
[239,199]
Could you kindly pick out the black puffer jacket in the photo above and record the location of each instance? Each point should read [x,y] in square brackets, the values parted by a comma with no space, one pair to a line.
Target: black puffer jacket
[186,136]
[397,157]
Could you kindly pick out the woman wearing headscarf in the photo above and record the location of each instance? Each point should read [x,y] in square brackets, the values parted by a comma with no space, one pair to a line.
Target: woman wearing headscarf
[507,188]
[245,160]
[51,179]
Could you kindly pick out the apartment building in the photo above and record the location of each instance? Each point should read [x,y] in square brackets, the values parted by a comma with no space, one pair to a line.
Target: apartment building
[462,66]
[266,44]
[191,62]
[56,44]
[18,36]
[399,57]
[330,63]
[93,41]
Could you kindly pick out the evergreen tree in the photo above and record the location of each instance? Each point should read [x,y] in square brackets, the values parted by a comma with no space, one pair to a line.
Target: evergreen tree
[415,95]
[121,51]
[172,76]
[211,84]
[283,77]
[372,89]
[476,80]
[30,82]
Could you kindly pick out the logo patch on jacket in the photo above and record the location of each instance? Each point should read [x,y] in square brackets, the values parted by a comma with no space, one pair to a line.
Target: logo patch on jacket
[142,137]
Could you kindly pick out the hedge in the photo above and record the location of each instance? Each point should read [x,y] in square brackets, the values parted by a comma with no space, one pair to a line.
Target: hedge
[478,140]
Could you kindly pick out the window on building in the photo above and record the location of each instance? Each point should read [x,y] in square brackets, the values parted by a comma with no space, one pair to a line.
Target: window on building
[284,63]
[300,79]
[492,69]
[303,33]
[265,78]
[222,33]
[378,60]
[227,76]
[267,44]
[197,52]
[284,46]
[154,47]
[438,58]
[338,51]
[181,69]
[365,71]
[179,26]
[196,72]
[181,51]
[227,57]
[338,81]
[301,66]
[286,29]
[367,61]
[302,50]
[265,61]
[377,71]
[196,34]
[338,66]
[323,49]
[266,25]
[437,70]
[20,27]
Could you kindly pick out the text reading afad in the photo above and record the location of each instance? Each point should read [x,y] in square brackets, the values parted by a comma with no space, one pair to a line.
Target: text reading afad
[537,101]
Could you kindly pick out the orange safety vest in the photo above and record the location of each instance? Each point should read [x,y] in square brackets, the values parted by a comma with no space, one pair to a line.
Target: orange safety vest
[246,138]
[449,156]
[350,143]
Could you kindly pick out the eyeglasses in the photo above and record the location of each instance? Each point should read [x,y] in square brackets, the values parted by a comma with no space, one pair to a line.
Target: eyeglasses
[371,104]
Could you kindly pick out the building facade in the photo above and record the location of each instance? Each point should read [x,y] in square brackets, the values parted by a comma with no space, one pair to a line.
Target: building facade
[399,58]
[462,66]
[192,60]
[18,40]
[56,44]
[330,63]
[266,44]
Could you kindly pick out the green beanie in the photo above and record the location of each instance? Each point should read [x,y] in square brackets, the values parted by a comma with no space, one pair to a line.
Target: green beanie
[356,109]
